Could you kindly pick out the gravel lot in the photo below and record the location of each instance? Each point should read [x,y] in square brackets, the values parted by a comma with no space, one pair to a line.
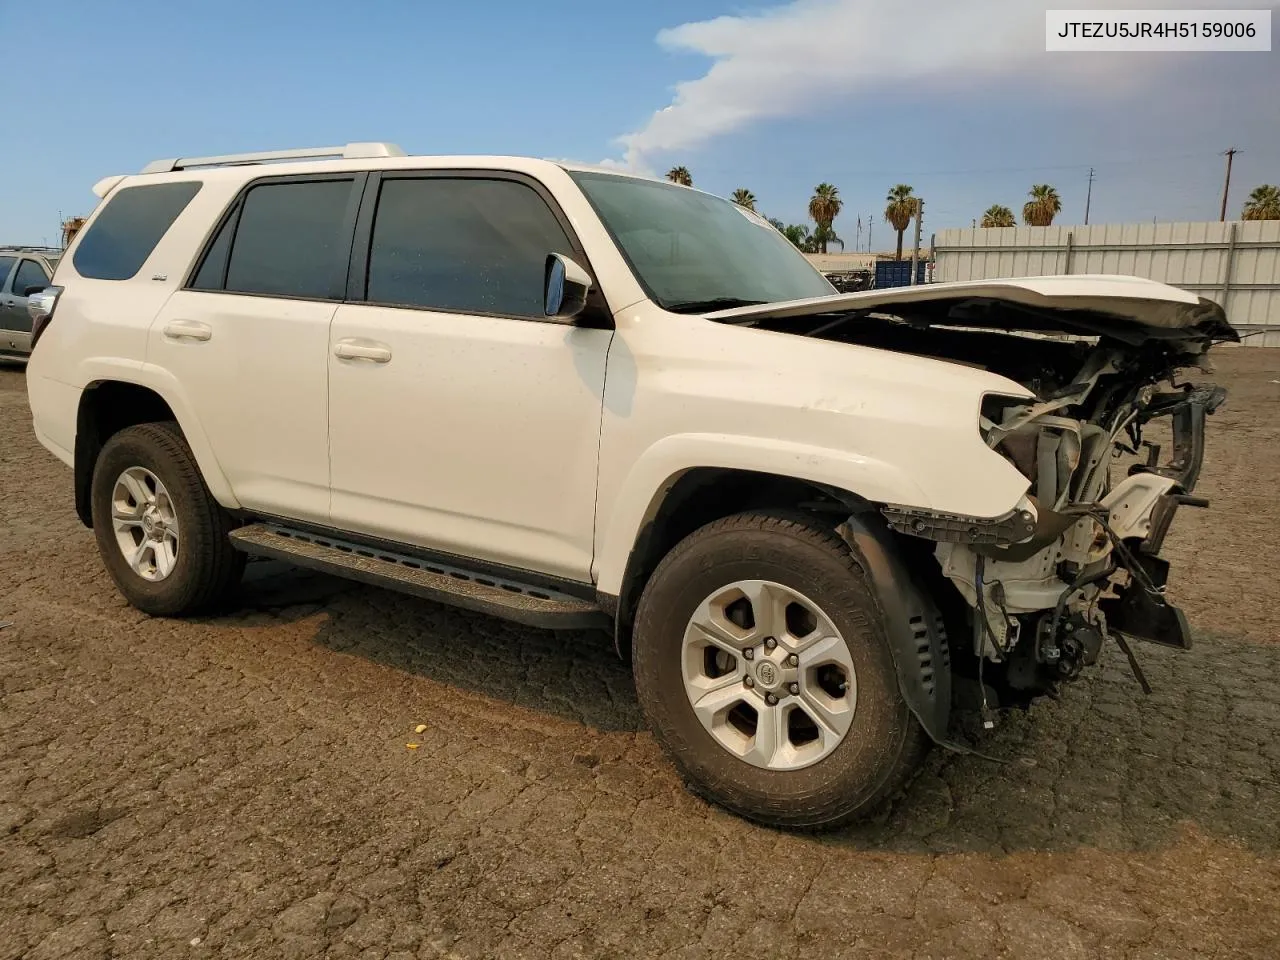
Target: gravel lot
[243,787]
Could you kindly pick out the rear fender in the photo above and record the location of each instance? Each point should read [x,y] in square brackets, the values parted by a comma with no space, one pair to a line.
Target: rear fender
[166,386]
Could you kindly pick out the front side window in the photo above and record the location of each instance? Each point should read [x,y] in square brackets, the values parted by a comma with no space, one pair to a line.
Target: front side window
[30,274]
[289,242]
[6,264]
[122,236]
[462,244]
[692,251]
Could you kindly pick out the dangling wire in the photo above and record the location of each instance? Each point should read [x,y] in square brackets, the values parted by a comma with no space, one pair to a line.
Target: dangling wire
[982,628]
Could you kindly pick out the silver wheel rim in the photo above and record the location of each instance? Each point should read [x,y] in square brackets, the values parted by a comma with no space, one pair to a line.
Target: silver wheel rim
[768,675]
[145,524]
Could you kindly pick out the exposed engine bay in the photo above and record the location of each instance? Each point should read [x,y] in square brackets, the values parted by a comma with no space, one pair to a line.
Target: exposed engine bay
[1078,559]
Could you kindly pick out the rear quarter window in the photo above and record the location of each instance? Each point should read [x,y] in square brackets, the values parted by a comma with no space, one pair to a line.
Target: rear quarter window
[122,236]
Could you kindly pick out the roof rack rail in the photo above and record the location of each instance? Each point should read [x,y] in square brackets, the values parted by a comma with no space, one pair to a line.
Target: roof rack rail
[350,151]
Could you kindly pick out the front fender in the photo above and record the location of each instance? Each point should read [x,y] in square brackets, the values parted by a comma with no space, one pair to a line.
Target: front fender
[662,464]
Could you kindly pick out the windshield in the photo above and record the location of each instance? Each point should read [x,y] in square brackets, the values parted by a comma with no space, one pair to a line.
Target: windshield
[691,251]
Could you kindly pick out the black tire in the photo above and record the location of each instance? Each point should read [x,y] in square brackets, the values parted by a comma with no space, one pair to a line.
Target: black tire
[885,744]
[207,568]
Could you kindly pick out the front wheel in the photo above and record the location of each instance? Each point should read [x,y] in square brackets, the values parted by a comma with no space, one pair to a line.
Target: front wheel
[162,536]
[762,666]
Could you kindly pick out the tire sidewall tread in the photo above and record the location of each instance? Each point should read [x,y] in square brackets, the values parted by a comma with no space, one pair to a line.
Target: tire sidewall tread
[207,566]
[885,742]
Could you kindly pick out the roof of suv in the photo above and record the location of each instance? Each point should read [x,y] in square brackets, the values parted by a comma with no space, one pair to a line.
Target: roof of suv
[39,253]
[352,156]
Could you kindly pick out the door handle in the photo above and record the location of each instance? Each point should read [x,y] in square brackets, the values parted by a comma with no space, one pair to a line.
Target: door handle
[356,349]
[187,330]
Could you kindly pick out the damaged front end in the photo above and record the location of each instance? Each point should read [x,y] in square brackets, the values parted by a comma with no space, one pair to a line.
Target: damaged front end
[1078,560]
[1108,434]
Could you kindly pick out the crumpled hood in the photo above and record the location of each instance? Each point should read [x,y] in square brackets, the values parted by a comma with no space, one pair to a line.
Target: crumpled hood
[1130,309]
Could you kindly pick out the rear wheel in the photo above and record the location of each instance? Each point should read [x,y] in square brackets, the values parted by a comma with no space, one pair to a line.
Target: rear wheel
[762,667]
[162,536]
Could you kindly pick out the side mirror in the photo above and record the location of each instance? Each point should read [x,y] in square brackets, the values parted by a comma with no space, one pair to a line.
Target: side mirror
[566,288]
[30,291]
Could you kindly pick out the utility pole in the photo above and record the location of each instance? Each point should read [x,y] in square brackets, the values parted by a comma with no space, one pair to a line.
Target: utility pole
[870,220]
[1088,198]
[915,251]
[1230,155]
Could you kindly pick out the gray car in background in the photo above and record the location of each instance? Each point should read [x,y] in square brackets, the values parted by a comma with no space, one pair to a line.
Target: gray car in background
[22,269]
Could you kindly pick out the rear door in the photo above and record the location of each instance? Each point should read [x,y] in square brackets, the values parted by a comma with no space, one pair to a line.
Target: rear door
[460,418]
[247,338]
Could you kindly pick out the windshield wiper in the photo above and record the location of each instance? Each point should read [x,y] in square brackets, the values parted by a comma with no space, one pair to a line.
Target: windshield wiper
[710,306]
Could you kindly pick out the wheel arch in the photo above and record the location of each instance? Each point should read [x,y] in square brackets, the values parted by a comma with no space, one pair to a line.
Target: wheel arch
[670,465]
[913,626]
[109,404]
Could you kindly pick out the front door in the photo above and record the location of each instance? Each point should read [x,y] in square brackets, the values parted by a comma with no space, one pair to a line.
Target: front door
[459,418]
[15,322]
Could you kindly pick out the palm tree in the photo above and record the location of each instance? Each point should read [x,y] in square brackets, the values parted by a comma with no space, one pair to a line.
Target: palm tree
[798,234]
[901,207]
[744,198]
[1263,204]
[1044,205]
[822,236]
[824,207]
[998,216]
[681,176]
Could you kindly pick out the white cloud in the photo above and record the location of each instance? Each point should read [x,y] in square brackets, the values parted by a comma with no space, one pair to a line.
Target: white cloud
[638,166]
[800,57]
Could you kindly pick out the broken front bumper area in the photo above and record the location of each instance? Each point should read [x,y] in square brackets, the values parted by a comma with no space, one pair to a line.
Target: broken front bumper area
[1102,548]
[1141,611]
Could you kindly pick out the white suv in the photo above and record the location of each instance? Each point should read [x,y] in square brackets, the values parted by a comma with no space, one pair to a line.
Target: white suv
[575,398]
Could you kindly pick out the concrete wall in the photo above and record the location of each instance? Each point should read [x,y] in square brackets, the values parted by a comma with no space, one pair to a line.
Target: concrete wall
[1236,264]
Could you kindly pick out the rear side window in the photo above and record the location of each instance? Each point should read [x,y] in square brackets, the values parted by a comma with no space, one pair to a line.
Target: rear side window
[466,245]
[290,240]
[123,235]
[6,264]
[30,274]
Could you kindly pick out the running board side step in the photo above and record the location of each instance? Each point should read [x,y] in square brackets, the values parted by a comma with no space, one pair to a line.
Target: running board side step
[502,597]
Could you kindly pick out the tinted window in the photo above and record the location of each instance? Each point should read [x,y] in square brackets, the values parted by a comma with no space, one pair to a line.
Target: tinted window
[128,229]
[6,264]
[213,272]
[478,246]
[289,241]
[30,274]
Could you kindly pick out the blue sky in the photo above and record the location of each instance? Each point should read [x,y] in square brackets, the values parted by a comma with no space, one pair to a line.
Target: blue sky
[957,99]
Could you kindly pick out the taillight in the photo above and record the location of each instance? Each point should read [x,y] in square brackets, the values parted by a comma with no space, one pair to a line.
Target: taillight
[40,308]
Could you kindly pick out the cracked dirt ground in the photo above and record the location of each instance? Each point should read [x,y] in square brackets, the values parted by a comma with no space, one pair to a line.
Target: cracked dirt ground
[241,786]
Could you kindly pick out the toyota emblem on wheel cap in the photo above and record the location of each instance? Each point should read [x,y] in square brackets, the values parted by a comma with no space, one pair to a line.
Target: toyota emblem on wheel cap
[767,673]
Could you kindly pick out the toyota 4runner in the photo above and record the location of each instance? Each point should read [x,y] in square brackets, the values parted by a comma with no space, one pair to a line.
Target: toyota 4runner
[575,398]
